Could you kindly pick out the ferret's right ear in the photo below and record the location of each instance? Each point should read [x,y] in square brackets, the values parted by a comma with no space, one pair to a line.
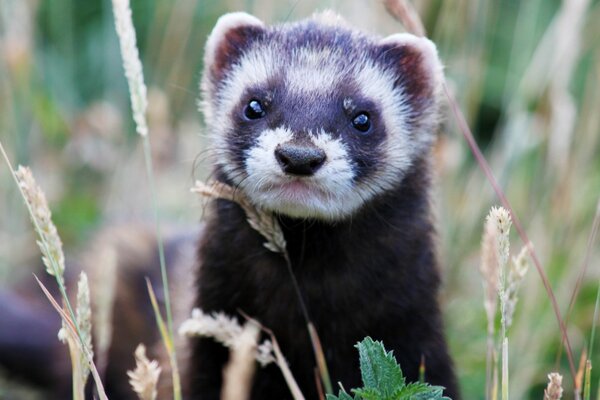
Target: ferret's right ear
[230,37]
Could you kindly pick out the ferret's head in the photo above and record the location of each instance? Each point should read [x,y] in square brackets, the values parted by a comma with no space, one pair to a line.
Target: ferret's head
[314,119]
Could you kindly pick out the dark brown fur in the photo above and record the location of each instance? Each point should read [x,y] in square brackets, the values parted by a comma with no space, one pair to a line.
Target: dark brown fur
[374,275]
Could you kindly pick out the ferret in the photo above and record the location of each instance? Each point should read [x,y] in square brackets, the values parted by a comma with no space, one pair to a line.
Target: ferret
[330,129]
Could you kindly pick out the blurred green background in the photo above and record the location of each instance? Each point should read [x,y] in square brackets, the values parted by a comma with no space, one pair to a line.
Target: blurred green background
[526,74]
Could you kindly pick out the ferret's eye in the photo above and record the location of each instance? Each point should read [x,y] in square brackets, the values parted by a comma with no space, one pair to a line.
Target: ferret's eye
[254,110]
[362,122]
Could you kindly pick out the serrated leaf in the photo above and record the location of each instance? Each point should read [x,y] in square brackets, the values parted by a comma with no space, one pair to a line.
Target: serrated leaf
[379,369]
[383,379]
[421,391]
[369,394]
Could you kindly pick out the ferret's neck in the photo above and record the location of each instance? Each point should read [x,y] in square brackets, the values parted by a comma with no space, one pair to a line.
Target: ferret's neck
[386,224]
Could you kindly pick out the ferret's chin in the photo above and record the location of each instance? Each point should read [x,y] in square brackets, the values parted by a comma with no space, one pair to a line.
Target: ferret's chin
[299,200]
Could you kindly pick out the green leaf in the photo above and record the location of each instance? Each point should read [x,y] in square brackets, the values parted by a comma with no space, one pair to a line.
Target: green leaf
[379,368]
[420,391]
[369,394]
[383,379]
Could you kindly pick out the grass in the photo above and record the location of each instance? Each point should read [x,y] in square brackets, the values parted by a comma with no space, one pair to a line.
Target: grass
[526,75]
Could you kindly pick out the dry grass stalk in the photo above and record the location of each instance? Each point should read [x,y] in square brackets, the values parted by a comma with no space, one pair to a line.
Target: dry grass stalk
[49,242]
[281,362]
[139,104]
[497,226]
[144,378]
[263,222]
[485,167]
[405,13]
[579,377]
[106,282]
[71,330]
[500,219]
[490,274]
[131,64]
[516,273]
[83,311]
[588,378]
[239,371]
[224,329]
[51,246]
[490,271]
[228,331]
[554,389]
[67,315]
[79,361]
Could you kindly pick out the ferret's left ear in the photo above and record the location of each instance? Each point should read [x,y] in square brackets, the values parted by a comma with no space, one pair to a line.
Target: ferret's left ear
[231,36]
[415,63]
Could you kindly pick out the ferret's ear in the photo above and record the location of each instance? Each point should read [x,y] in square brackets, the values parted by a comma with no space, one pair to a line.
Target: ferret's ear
[414,61]
[230,37]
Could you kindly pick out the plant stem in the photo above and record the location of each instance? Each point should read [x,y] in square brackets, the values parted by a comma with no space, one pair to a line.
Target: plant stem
[588,377]
[505,368]
[163,268]
[314,337]
[483,164]
[59,279]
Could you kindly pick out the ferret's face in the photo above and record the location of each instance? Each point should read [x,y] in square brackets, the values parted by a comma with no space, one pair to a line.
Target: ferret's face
[314,120]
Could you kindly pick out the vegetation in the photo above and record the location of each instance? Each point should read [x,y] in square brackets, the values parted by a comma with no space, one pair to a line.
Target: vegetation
[383,379]
[526,75]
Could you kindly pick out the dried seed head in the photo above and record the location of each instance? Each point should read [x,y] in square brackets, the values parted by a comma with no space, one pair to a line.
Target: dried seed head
[131,64]
[489,271]
[219,326]
[516,273]
[144,378]
[84,322]
[554,389]
[264,353]
[500,217]
[260,220]
[226,330]
[49,242]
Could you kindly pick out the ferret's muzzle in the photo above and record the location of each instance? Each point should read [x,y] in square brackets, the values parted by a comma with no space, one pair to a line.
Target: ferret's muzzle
[299,158]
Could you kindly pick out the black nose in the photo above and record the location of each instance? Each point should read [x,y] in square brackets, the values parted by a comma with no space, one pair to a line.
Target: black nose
[299,158]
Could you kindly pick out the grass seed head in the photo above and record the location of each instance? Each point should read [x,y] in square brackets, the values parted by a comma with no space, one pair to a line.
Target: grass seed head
[84,321]
[132,64]
[260,220]
[500,217]
[554,389]
[226,330]
[49,242]
[489,271]
[517,270]
[144,378]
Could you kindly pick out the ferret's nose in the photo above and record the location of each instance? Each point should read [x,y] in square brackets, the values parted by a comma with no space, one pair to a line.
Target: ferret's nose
[302,159]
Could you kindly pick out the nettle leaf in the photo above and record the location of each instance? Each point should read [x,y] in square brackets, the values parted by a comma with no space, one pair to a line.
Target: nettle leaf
[369,394]
[420,391]
[379,368]
[383,379]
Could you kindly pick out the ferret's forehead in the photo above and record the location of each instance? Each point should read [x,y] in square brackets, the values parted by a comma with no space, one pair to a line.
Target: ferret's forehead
[304,58]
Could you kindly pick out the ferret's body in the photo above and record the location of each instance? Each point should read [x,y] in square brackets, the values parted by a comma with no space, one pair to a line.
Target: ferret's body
[330,129]
[374,275]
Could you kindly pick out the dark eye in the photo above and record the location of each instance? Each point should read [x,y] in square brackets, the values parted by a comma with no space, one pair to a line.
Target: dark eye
[362,122]
[254,110]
